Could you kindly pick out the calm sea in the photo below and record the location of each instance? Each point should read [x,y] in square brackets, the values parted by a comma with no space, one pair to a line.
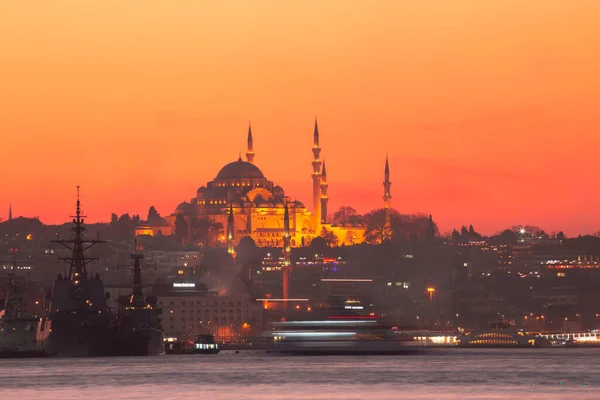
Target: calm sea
[441,374]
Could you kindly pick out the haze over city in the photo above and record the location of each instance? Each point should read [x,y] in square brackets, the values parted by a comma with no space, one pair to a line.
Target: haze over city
[486,109]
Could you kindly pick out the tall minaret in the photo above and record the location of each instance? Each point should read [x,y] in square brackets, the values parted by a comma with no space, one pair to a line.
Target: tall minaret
[287,255]
[10,212]
[387,197]
[230,230]
[316,175]
[250,152]
[324,198]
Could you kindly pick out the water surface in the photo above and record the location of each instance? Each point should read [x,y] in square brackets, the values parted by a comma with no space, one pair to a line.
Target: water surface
[441,374]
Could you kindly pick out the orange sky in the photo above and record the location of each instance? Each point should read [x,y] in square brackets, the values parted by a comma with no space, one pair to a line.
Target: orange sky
[488,109]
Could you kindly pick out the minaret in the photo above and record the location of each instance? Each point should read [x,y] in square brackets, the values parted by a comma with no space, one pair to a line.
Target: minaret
[324,198]
[250,152]
[430,231]
[10,212]
[230,230]
[316,175]
[287,256]
[387,197]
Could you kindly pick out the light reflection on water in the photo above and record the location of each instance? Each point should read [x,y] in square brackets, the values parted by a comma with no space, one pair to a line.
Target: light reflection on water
[441,374]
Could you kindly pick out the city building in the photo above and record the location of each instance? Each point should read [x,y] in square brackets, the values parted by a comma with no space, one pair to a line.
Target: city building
[190,309]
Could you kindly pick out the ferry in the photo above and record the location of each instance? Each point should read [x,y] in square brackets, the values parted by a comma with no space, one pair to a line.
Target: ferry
[340,335]
[502,335]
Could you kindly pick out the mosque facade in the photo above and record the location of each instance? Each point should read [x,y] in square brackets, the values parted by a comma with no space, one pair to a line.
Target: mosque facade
[246,203]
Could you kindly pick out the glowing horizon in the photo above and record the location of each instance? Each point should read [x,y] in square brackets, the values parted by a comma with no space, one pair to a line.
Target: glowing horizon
[487,110]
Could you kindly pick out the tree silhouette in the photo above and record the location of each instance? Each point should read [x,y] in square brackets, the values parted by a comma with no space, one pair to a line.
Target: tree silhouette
[318,244]
[345,216]
[350,238]
[181,228]
[152,213]
[330,237]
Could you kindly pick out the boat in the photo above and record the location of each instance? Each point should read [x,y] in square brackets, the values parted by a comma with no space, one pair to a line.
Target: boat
[204,344]
[502,335]
[138,331]
[343,335]
[78,322]
[17,328]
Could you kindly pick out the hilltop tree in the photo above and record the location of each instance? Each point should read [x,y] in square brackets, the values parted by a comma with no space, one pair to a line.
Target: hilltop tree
[346,216]
[403,226]
[152,213]
[123,227]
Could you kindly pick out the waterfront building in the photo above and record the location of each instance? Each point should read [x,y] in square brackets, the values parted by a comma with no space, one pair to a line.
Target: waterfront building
[190,309]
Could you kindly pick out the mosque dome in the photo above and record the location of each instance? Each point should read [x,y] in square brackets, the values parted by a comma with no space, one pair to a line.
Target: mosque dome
[184,207]
[200,193]
[240,169]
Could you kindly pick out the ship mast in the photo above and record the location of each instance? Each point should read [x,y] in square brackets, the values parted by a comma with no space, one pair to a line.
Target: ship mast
[12,274]
[137,297]
[78,261]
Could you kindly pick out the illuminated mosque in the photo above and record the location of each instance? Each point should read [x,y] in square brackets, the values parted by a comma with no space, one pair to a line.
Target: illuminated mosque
[248,204]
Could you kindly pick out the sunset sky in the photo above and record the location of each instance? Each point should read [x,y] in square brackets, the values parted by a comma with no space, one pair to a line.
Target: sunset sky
[489,110]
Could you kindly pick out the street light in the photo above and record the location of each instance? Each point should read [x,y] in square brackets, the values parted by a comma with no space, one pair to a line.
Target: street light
[431,291]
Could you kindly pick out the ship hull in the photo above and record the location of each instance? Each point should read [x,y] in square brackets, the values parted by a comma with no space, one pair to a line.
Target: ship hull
[18,335]
[73,337]
[140,342]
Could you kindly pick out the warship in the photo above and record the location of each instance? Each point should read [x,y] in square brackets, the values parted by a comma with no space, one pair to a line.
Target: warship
[138,331]
[17,328]
[78,322]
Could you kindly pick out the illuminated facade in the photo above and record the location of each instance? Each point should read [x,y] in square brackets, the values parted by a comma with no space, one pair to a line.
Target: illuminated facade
[246,203]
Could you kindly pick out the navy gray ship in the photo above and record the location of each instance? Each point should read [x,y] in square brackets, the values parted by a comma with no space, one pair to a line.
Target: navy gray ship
[138,331]
[17,326]
[79,323]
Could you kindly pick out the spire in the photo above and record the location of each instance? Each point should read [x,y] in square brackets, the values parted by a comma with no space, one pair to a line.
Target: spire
[316,133]
[10,212]
[316,176]
[250,152]
[387,196]
[387,165]
[323,172]
[240,156]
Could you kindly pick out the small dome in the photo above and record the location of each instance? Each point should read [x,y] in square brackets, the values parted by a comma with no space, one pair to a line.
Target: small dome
[298,204]
[184,207]
[240,169]
[278,191]
[200,193]
[157,221]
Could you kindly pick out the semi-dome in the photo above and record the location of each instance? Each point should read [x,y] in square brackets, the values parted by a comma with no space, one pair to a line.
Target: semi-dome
[185,206]
[240,169]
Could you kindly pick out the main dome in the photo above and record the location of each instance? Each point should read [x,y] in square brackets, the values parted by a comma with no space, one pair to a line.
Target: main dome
[240,169]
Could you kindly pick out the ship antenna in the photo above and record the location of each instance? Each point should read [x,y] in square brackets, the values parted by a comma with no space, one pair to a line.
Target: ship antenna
[78,261]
